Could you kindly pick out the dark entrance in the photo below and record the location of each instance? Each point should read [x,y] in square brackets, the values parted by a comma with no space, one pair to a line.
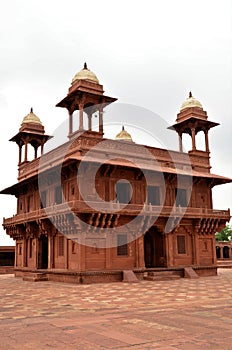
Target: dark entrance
[7,258]
[226,253]
[218,252]
[154,249]
[43,252]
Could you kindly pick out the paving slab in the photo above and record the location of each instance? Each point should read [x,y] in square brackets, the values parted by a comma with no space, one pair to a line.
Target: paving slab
[183,314]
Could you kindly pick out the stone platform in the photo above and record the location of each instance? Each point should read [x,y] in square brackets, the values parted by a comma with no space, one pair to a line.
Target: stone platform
[108,276]
[180,314]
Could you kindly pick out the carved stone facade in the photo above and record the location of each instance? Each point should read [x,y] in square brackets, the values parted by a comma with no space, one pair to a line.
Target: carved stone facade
[86,210]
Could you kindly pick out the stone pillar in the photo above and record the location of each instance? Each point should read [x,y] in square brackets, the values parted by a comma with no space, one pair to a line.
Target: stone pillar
[35,154]
[34,252]
[70,123]
[82,256]
[50,252]
[197,257]
[24,253]
[193,138]
[140,251]
[170,238]
[206,141]
[136,253]
[108,252]
[90,122]
[81,122]
[78,256]
[194,249]
[42,148]
[214,260]
[25,152]
[180,142]
[166,248]
[20,154]
[16,254]
[101,120]
[66,252]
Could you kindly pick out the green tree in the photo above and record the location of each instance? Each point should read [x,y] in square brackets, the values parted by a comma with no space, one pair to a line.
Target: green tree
[225,234]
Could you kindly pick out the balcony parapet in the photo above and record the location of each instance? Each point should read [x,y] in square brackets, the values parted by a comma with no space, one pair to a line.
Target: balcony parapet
[78,207]
[172,159]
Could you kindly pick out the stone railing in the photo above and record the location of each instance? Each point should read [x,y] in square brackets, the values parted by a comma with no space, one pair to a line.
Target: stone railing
[75,207]
[134,151]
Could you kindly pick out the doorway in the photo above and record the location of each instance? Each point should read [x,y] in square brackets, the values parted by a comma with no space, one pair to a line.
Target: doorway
[154,248]
[43,252]
[218,252]
[226,252]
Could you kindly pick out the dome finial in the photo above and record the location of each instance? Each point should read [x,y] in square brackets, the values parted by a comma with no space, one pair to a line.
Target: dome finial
[124,135]
[85,74]
[191,102]
[31,118]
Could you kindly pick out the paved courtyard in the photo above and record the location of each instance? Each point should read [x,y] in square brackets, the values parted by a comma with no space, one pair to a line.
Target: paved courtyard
[167,315]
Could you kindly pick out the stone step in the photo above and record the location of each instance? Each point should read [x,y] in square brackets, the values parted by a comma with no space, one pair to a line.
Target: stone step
[35,277]
[166,272]
[161,276]
[6,269]
[223,263]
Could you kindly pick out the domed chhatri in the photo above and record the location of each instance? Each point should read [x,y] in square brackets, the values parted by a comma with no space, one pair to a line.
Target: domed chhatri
[85,92]
[191,102]
[31,118]
[123,135]
[85,74]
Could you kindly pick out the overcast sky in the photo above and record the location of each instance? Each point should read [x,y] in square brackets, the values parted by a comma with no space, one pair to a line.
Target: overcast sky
[149,54]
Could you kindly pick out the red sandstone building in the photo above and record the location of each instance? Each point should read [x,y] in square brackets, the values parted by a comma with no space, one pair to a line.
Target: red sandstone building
[148,209]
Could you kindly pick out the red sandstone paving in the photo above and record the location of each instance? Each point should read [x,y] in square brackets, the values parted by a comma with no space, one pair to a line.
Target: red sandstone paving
[167,315]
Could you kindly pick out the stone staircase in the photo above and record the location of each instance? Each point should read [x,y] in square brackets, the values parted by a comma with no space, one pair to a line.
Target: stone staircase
[35,277]
[161,276]
[224,264]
